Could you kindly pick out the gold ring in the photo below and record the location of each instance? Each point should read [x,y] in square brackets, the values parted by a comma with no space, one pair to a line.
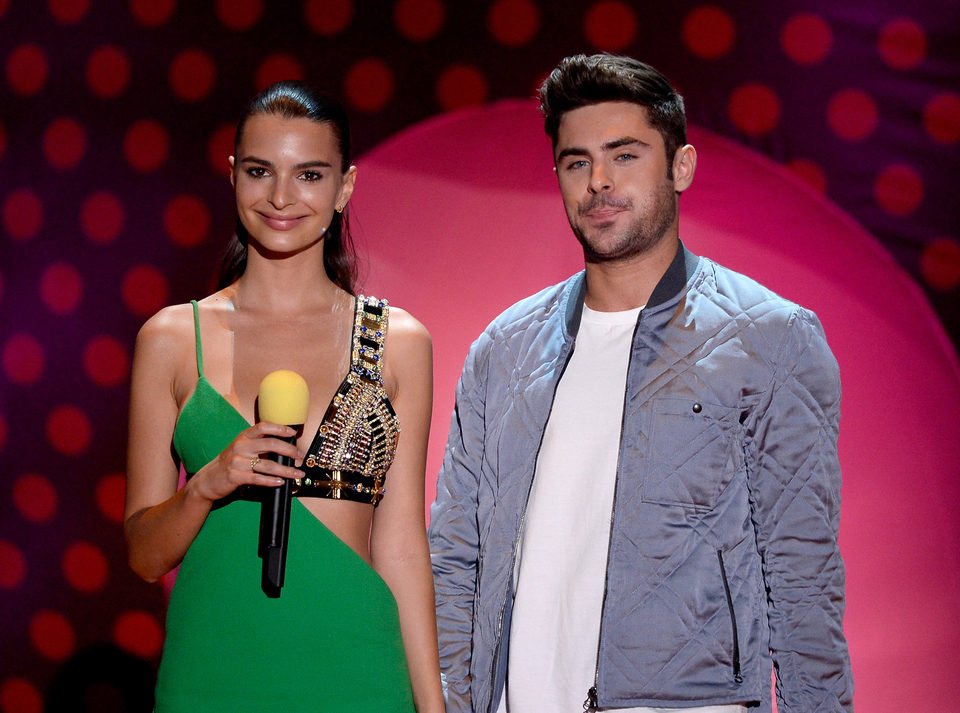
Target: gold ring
[253,463]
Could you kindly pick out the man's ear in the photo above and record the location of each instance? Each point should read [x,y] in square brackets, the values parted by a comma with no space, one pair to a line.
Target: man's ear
[684,166]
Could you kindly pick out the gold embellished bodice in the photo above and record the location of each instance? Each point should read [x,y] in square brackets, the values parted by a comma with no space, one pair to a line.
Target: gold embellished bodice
[357,438]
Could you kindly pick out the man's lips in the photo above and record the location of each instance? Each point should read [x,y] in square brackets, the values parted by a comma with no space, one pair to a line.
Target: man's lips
[280,222]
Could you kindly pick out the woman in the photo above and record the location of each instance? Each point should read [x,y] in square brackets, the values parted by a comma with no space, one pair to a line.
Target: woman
[354,627]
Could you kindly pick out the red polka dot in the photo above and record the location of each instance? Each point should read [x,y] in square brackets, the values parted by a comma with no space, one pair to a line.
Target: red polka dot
[806,38]
[22,214]
[460,86]
[35,497]
[61,288]
[13,565]
[85,567]
[852,114]
[513,22]
[146,145]
[64,143]
[4,6]
[110,494]
[898,190]
[3,140]
[220,149]
[68,11]
[139,633]
[27,69]
[52,635]
[902,43]
[810,172]
[186,220]
[419,20]
[105,361]
[102,217]
[144,290]
[276,68]
[18,695]
[709,32]
[610,25]
[239,14]
[940,264]
[941,117]
[754,109]
[108,71]
[69,430]
[328,17]
[152,13]
[23,359]
[192,74]
[3,432]
[369,85]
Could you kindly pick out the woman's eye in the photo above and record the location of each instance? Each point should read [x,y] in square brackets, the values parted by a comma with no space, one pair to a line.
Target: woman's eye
[256,172]
[311,176]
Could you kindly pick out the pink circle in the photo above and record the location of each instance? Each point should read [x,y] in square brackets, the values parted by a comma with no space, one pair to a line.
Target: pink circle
[69,430]
[146,145]
[108,71]
[61,288]
[898,189]
[239,15]
[68,12]
[110,494]
[13,565]
[144,290]
[902,43]
[186,220]
[513,22]
[328,17]
[940,264]
[461,86]
[419,20]
[102,217]
[709,32]
[806,38]
[811,173]
[64,143]
[85,567]
[23,359]
[220,148]
[192,74]
[610,25]
[277,67]
[941,117]
[152,13]
[754,109]
[27,69]
[52,635]
[35,497]
[18,695]
[369,85]
[138,632]
[105,361]
[22,214]
[852,114]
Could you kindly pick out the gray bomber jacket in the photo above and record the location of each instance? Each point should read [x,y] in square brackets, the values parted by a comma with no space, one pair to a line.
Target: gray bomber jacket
[723,544]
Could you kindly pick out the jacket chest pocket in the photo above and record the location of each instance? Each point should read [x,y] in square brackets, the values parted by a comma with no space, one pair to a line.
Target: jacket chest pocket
[691,452]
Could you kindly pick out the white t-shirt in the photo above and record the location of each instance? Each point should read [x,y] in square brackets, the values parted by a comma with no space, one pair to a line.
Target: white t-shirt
[562,555]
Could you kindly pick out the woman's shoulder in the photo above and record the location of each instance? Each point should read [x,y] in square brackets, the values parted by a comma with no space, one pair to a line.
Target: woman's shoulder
[405,327]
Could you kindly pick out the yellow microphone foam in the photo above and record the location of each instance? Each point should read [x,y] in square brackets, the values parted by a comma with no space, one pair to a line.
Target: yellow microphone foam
[284,397]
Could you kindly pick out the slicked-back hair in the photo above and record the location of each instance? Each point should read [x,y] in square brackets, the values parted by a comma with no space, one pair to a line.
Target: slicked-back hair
[583,80]
[299,100]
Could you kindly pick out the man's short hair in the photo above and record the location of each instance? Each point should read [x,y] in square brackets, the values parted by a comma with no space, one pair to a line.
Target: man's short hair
[581,80]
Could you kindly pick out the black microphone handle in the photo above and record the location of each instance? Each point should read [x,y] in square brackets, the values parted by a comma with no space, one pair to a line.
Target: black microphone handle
[275,528]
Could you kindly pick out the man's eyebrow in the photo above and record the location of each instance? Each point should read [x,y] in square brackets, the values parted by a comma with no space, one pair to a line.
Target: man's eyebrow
[608,146]
[572,151]
[269,164]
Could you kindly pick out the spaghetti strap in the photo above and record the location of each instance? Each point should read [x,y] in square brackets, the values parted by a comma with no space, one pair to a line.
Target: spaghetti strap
[196,326]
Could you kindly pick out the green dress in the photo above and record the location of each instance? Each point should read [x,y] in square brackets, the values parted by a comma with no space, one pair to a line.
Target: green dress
[330,642]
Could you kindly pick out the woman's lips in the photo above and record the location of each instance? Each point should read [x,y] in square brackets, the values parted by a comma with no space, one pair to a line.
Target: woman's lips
[280,222]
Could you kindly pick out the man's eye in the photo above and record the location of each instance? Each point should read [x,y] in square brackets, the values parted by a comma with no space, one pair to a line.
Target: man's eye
[576,164]
[625,157]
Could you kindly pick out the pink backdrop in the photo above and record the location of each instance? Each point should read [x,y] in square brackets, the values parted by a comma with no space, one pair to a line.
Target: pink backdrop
[461,216]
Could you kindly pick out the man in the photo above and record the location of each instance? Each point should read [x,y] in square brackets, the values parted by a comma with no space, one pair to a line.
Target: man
[639,501]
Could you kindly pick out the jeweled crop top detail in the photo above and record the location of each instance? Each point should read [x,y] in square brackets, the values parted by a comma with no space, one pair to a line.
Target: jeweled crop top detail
[357,438]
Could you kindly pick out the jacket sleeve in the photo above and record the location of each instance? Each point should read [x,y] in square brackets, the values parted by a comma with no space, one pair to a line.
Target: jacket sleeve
[795,497]
[453,534]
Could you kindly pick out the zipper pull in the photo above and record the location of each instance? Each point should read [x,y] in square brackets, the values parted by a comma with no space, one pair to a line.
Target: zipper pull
[590,705]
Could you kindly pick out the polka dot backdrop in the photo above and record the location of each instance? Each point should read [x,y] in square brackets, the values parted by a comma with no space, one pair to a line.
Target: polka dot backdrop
[116,125]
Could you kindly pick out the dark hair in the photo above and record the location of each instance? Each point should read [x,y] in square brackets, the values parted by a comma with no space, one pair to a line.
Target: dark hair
[581,80]
[293,100]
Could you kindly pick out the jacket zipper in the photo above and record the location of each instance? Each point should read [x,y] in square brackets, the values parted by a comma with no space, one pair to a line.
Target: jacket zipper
[733,621]
[590,704]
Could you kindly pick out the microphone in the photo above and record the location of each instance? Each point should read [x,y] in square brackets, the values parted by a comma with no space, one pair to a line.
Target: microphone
[283,399]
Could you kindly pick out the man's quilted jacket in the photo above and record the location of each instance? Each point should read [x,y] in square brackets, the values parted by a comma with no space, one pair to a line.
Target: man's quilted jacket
[723,544]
